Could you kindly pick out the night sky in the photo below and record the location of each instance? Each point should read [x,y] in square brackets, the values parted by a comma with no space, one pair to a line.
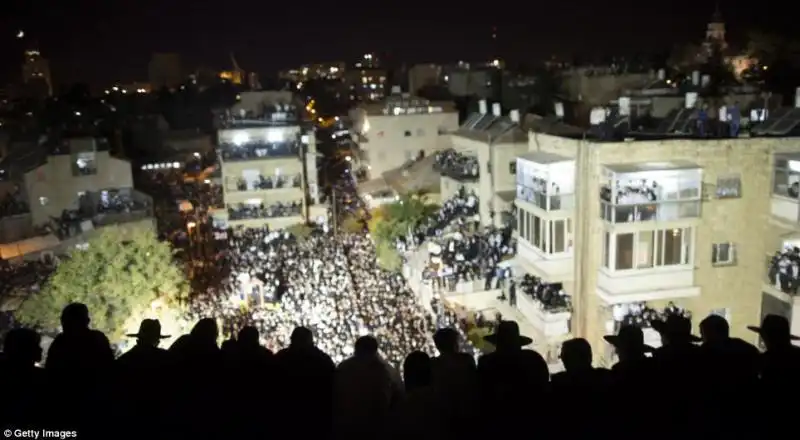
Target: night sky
[98,41]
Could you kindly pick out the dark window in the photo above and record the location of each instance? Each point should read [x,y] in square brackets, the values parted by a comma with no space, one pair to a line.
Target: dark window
[512,167]
[407,133]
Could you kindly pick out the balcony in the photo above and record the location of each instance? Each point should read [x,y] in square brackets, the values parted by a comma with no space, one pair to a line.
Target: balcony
[780,279]
[550,268]
[660,192]
[263,183]
[546,180]
[784,204]
[231,152]
[457,166]
[278,115]
[539,197]
[663,283]
[545,305]
[244,211]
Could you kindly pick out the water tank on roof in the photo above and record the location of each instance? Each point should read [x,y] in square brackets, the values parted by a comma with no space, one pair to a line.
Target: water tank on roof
[662,74]
[514,115]
[705,80]
[696,78]
[482,107]
[797,97]
[691,99]
[559,109]
[396,90]
[597,116]
[624,106]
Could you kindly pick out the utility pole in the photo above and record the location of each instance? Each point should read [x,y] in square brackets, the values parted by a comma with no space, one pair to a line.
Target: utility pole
[334,211]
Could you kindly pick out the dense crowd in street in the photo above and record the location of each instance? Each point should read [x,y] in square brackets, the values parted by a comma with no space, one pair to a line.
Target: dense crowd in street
[329,284]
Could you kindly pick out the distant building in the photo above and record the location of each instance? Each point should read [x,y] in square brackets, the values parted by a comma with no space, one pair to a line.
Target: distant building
[332,70]
[165,70]
[77,179]
[423,75]
[268,162]
[399,130]
[36,74]
[366,84]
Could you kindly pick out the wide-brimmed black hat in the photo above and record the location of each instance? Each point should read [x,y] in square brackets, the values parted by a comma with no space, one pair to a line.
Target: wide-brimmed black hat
[629,336]
[149,329]
[676,326]
[774,325]
[508,332]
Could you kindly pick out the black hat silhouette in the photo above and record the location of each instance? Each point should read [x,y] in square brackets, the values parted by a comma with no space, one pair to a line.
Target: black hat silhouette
[149,329]
[508,334]
[630,337]
[675,326]
[774,325]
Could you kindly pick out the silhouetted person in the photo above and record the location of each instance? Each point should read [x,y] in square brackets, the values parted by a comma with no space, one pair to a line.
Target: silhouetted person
[366,387]
[143,375]
[306,385]
[256,363]
[509,374]
[417,415]
[22,382]
[630,375]
[455,379]
[730,368]
[780,362]
[79,362]
[580,382]
[199,360]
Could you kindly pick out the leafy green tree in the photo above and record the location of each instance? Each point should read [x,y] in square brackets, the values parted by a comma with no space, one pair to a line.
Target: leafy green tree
[117,276]
[404,214]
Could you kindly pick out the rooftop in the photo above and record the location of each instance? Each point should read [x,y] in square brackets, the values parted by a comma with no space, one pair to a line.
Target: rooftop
[489,128]
[405,104]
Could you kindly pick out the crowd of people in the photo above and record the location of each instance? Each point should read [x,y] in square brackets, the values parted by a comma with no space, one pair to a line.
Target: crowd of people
[456,212]
[279,209]
[784,270]
[643,316]
[457,165]
[551,296]
[329,284]
[707,383]
[269,182]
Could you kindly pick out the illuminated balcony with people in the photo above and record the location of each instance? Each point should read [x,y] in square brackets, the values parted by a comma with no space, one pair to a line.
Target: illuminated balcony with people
[264,182]
[260,144]
[544,209]
[257,209]
[546,181]
[784,204]
[545,305]
[651,192]
[783,270]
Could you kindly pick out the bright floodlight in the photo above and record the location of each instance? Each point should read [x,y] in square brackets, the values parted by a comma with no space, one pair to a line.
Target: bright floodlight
[348,158]
[240,138]
[21,34]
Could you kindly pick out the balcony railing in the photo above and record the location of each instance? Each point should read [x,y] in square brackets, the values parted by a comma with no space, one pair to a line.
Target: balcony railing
[259,150]
[554,202]
[277,210]
[657,211]
[265,183]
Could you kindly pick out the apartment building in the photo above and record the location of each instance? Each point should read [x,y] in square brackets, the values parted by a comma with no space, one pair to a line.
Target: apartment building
[492,142]
[268,166]
[71,187]
[399,130]
[691,222]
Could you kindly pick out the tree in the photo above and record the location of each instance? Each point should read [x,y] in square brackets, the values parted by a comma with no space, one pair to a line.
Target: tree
[403,215]
[115,278]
